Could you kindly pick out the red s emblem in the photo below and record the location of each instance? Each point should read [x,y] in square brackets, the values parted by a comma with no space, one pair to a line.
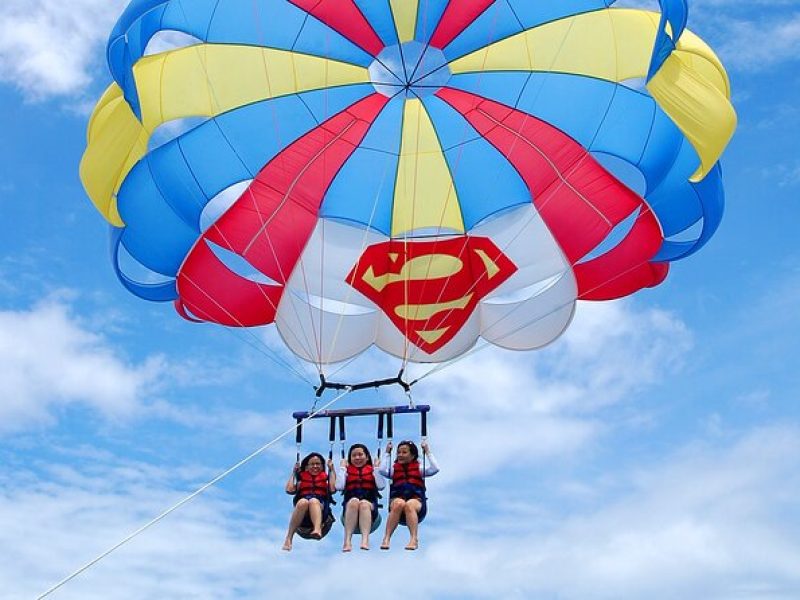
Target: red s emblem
[430,289]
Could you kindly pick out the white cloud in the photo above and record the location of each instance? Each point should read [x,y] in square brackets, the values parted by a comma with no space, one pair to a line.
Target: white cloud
[49,360]
[50,47]
[757,44]
[548,403]
[750,36]
[707,521]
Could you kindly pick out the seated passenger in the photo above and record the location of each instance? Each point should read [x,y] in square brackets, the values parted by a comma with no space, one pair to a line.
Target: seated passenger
[408,504]
[312,488]
[360,484]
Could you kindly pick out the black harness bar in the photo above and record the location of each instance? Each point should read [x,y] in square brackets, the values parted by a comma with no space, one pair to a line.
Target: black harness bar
[329,385]
[357,412]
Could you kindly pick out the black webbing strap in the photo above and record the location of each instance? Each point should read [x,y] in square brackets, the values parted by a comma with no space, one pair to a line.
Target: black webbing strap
[380,433]
[298,437]
[332,436]
[342,436]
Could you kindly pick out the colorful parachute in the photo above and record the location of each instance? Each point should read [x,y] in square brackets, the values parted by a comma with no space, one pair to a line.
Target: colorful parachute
[414,174]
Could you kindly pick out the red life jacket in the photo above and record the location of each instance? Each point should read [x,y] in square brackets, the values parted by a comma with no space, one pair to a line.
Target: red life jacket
[312,485]
[360,482]
[407,476]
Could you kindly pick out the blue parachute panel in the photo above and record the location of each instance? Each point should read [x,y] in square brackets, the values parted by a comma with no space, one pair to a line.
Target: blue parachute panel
[479,196]
[155,235]
[363,191]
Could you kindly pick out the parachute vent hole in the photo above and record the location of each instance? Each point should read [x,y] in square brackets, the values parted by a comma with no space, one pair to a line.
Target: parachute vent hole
[690,234]
[168,39]
[171,130]
[220,203]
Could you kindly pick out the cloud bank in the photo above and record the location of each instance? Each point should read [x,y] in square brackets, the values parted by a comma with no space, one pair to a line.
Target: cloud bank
[50,361]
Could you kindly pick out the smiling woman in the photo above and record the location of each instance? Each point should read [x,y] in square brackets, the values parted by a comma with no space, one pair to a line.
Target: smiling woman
[419,176]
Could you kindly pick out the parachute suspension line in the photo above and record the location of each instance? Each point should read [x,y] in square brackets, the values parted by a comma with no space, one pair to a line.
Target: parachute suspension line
[351,290]
[511,240]
[481,346]
[408,356]
[264,224]
[193,495]
[315,342]
[321,311]
[467,128]
[298,368]
[272,355]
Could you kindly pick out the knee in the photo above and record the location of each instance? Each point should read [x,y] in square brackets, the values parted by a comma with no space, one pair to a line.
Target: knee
[302,503]
[398,506]
[409,509]
[353,503]
[313,502]
[365,506]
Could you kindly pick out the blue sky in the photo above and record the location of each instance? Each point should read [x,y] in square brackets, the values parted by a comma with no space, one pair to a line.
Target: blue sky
[653,451]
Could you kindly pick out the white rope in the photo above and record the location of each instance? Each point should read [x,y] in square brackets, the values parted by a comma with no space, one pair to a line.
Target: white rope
[188,498]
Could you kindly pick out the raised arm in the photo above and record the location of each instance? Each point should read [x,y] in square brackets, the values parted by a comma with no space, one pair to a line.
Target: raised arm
[431,466]
[380,482]
[291,485]
[331,477]
[341,476]
[386,469]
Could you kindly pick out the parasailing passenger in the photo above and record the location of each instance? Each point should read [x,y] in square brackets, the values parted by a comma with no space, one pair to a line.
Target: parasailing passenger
[360,481]
[408,502]
[312,487]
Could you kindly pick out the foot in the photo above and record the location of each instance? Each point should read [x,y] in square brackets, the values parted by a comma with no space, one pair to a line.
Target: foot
[348,547]
[385,545]
[315,535]
[287,545]
[364,546]
[412,545]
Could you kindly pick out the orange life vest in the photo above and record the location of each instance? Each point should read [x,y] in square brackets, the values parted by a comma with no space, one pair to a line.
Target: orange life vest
[407,480]
[312,485]
[360,483]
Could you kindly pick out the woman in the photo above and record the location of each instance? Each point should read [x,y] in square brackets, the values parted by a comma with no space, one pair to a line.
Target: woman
[360,482]
[407,492]
[312,488]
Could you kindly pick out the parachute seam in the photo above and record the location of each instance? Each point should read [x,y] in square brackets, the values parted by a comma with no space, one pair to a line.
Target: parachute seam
[351,289]
[211,19]
[527,117]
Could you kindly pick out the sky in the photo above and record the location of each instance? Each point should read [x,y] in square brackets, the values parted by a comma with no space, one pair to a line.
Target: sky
[653,451]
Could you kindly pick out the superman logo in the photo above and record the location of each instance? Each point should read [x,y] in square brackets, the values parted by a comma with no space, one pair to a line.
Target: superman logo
[429,289]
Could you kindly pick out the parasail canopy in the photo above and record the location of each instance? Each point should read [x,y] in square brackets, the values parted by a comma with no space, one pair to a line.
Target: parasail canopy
[411,174]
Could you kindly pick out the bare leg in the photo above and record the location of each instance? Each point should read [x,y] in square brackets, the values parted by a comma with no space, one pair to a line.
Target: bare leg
[396,509]
[315,512]
[350,520]
[365,522]
[411,510]
[298,514]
